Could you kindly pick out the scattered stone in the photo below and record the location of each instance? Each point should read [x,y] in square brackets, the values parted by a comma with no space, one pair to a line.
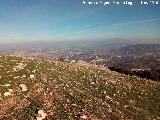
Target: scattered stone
[83,117]
[24,88]
[15,77]
[92,83]
[10,90]
[23,76]
[32,76]
[51,93]
[8,93]
[42,115]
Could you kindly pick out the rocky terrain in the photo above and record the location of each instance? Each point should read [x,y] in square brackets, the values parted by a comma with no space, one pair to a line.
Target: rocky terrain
[32,89]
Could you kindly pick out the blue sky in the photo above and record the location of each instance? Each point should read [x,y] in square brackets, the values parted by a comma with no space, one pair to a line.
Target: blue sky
[54,20]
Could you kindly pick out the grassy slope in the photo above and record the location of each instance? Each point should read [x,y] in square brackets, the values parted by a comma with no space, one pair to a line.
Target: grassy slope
[69,91]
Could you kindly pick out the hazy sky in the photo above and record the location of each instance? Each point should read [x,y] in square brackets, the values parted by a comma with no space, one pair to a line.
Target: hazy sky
[50,20]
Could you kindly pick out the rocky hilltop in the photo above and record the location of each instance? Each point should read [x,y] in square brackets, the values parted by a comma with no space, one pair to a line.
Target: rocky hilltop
[32,89]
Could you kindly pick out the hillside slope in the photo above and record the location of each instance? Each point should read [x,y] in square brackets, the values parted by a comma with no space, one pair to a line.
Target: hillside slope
[33,89]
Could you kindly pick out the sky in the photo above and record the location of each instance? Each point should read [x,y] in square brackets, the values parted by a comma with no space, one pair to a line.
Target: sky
[59,20]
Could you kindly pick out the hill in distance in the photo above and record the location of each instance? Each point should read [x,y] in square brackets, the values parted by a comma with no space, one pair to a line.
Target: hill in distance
[32,89]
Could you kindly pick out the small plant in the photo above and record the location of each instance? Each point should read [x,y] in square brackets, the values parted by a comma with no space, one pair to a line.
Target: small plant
[31,111]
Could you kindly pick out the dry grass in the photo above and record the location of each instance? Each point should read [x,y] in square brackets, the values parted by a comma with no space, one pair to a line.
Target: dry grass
[73,91]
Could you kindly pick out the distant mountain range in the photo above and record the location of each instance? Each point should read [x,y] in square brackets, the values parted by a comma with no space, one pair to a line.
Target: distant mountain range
[86,44]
